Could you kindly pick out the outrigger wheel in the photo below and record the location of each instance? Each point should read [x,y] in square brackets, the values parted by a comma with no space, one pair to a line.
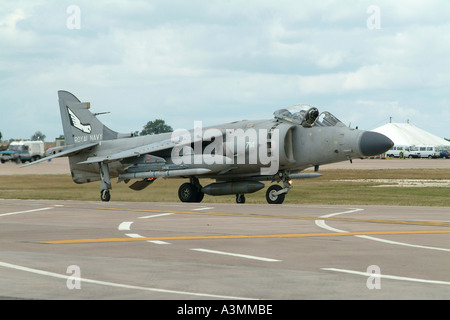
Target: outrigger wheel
[105,195]
[105,182]
[240,198]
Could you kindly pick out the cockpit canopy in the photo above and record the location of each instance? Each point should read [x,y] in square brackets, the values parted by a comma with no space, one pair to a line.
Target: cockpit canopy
[307,116]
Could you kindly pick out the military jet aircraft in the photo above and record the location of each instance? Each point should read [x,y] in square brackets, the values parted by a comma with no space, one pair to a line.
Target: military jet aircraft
[238,155]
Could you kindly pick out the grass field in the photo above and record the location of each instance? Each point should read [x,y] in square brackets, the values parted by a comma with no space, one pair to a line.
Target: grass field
[328,189]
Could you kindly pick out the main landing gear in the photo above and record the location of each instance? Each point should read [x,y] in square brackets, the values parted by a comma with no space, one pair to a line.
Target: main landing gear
[191,191]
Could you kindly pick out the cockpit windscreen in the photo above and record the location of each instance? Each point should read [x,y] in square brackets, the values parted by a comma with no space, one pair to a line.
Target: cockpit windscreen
[307,116]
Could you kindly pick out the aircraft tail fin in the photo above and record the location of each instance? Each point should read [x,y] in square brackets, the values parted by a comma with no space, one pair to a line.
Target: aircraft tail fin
[79,124]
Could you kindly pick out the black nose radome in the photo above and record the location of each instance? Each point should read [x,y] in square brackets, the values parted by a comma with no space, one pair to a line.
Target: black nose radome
[374,143]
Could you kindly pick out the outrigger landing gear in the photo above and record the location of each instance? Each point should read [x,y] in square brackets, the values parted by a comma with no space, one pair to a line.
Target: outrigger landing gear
[105,183]
[191,191]
[240,198]
[105,195]
[275,194]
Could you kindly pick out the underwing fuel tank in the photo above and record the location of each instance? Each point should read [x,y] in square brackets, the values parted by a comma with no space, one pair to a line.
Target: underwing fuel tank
[235,187]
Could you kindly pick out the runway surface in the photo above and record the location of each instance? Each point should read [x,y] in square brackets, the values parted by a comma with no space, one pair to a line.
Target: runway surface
[119,250]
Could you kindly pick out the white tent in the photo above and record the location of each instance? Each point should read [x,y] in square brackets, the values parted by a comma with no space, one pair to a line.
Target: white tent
[406,134]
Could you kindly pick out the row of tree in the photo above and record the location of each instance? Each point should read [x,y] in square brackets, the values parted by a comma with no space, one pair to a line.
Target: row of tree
[155,127]
[37,136]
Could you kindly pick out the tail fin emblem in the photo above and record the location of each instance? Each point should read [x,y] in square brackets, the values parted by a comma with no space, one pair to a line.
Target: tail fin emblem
[76,122]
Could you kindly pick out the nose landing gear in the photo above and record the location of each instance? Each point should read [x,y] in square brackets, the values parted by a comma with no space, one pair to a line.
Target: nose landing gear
[275,194]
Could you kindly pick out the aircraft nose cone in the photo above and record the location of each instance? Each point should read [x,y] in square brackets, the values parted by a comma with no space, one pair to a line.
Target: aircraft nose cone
[374,143]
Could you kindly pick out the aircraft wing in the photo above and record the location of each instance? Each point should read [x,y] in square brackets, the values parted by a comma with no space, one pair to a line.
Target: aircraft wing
[64,153]
[146,149]
[134,152]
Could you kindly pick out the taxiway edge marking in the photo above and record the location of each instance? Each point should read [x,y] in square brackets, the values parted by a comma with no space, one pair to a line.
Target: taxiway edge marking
[385,276]
[322,224]
[236,255]
[26,211]
[117,285]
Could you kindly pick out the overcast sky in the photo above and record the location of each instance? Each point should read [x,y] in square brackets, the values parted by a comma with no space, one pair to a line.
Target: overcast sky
[219,61]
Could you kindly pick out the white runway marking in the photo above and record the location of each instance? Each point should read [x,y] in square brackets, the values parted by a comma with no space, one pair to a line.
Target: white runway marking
[384,276]
[402,243]
[118,285]
[158,242]
[125,225]
[27,211]
[133,235]
[236,255]
[157,215]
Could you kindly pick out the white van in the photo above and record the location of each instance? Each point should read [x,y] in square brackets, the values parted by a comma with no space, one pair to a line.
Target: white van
[428,151]
[414,152]
[396,152]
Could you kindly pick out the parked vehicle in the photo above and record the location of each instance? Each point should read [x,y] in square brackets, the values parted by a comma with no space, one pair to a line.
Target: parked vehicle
[429,151]
[23,151]
[445,154]
[398,152]
[414,152]
[424,152]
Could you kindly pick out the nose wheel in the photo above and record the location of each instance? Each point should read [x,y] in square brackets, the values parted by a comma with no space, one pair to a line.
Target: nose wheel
[273,195]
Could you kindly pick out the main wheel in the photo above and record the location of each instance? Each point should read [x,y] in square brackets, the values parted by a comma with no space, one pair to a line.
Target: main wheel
[105,195]
[240,198]
[189,193]
[272,198]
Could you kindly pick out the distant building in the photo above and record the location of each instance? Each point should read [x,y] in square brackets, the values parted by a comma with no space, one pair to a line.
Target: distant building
[407,134]
[60,142]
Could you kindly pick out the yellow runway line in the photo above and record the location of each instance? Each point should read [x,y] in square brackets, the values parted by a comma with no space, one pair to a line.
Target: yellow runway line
[298,235]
